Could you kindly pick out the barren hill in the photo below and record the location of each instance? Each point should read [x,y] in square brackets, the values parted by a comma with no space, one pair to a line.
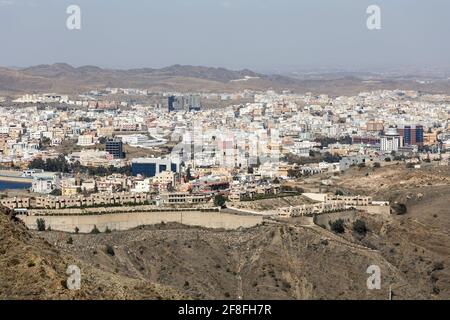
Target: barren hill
[275,261]
[32,268]
[64,78]
[61,77]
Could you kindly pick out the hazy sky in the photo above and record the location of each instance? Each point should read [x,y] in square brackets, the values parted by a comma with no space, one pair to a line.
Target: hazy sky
[257,34]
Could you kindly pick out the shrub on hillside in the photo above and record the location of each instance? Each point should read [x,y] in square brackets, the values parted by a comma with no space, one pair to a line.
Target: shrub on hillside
[337,226]
[399,208]
[359,226]
[110,250]
[95,230]
[40,224]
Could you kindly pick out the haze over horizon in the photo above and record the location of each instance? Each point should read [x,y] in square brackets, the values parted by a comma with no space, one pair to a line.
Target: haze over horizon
[264,36]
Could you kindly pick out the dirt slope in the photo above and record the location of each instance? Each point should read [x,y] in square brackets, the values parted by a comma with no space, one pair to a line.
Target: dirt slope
[275,261]
[31,268]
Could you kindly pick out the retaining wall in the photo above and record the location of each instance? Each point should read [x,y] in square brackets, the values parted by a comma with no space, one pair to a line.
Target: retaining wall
[126,221]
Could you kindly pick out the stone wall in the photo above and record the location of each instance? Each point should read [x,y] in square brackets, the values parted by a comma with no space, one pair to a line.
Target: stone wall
[126,221]
[379,210]
[325,219]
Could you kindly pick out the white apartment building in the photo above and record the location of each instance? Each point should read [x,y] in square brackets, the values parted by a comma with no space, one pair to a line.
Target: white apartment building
[142,186]
[45,182]
[391,141]
[85,140]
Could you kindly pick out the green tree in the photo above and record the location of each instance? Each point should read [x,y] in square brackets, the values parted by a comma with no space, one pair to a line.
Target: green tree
[56,192]
[359,226]
[95,230]
[40,224]
[337,226]
[219,200]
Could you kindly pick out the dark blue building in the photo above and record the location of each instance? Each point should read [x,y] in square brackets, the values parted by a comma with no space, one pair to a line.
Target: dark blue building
[115,148]
[150,167]
[171,102]
[412,134]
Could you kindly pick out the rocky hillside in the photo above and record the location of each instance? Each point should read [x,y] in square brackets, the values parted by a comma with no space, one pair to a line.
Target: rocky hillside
[32,268]
[274,261]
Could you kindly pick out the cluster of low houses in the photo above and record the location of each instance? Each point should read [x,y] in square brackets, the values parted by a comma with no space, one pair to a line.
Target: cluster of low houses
[322,203]
[103,199]
[326,203]
[248,191]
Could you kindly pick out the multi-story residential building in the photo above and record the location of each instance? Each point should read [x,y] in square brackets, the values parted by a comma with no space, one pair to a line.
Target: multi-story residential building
[98,199]
[184,198]
[16,203]
[85,140]
[45,182]
[115,148]
[165,178]
[184,103]
[391,141]
[412,134]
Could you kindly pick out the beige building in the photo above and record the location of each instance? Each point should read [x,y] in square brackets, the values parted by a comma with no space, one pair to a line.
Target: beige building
[184,198]
[98,199]
[311,209]
[69,190]
[165,178]
[350,200]
[15,203]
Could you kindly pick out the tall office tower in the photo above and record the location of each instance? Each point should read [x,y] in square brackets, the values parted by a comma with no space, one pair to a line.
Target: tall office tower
[176,103]
[413,135]
[194,103]
[184,103]
[115,148]
[391,140]
[171,102]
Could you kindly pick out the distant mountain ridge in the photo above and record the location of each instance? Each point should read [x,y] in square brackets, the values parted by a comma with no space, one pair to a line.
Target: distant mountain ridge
[64,78]
[200,72]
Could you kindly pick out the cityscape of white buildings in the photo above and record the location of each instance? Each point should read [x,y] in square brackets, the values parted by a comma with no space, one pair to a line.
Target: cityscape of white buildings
[217,149]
